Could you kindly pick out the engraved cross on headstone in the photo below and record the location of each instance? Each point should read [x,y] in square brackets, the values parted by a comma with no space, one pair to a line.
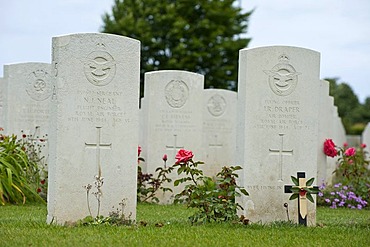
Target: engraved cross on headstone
[174,147]
[216,144]
[281,152]
[98,145]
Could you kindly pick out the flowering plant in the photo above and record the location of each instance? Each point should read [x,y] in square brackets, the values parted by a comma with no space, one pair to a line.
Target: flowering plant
[352,167]
[340,195]
[214,199]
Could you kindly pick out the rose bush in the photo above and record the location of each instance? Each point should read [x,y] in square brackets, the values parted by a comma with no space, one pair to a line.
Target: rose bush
[352,167]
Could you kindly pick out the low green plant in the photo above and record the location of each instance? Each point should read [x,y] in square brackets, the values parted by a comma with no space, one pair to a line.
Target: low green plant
[148,185]
[214,199]
[19,176]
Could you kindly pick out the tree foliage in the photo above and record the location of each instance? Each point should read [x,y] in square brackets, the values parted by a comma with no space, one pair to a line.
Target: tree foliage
[354,115]
[200,36]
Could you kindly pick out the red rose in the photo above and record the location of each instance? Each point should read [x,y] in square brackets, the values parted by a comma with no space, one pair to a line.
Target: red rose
[164,158]
[302,192]
[350,152]
[183,156]
[329,148]
[363,145]
[345,144]
[138,150]
[38,190]
[42,181]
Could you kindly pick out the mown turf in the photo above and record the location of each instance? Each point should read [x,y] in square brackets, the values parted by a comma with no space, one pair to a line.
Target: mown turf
[168,226]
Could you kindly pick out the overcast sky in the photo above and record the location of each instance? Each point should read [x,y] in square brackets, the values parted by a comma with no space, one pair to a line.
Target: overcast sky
[338,29]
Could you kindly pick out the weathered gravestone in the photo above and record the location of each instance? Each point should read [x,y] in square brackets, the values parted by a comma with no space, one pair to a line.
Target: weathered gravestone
[95,126]
[219,129]
[325,120]
[173,118]
[366,139]
[2,82]
[277,126]
[27,94]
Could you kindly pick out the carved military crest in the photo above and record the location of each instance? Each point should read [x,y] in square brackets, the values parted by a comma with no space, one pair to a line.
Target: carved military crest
[176,93]
[283,78]
[216,105]
[39,86]
[100,67]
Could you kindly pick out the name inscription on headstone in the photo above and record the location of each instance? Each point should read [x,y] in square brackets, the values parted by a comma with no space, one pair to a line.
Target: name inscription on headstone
[175,120]
[99,107]
[263,187]
[282,115]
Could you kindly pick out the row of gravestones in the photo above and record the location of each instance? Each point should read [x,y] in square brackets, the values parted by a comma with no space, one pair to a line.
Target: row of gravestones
[87,103]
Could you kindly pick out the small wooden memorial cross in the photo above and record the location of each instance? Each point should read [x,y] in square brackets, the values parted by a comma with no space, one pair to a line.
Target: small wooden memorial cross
[302,197]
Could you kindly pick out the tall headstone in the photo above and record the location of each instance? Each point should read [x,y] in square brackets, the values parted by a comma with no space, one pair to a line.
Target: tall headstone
[277,127]
[219,129]
[366,139]
[325,120]
[28,91]
[173,118]
[95,125]
[2,82]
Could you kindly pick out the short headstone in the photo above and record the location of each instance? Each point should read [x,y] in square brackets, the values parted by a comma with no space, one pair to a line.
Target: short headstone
[27,97]
[219,129]
[95,125]
[277,126]
[173,118]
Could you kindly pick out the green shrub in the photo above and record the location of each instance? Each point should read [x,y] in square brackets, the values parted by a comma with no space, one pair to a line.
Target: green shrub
[19,177]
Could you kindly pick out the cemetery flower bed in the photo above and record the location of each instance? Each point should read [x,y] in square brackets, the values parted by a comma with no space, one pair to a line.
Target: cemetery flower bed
[352,177]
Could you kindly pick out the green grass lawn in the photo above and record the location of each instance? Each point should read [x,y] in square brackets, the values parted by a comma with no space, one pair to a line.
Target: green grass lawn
[25,226]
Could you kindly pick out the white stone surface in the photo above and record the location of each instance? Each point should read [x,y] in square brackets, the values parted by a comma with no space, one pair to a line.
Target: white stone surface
[173,118]
[95,123]
[219,129]
[2,83]
[27,94]
[277,127]
[325,120]
[331,162]
[366,139]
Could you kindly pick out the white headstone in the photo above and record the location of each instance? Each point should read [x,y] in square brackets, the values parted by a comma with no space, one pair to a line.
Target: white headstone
[173,117]
[95,125]
[27,97]
[219,129]
[366,139]
[2,82]
[331,162]
[277,127]
[325,120]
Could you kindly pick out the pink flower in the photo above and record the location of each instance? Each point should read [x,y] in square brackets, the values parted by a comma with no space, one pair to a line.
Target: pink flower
[363,145]
[350,152]
[164,158]
[183,156]
[345,144]
[329,148]
[138,150]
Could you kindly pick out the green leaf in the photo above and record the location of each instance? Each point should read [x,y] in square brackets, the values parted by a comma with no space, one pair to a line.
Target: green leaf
[244,192]
[310,182]
[293,196]
[309,197]
[295,180]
